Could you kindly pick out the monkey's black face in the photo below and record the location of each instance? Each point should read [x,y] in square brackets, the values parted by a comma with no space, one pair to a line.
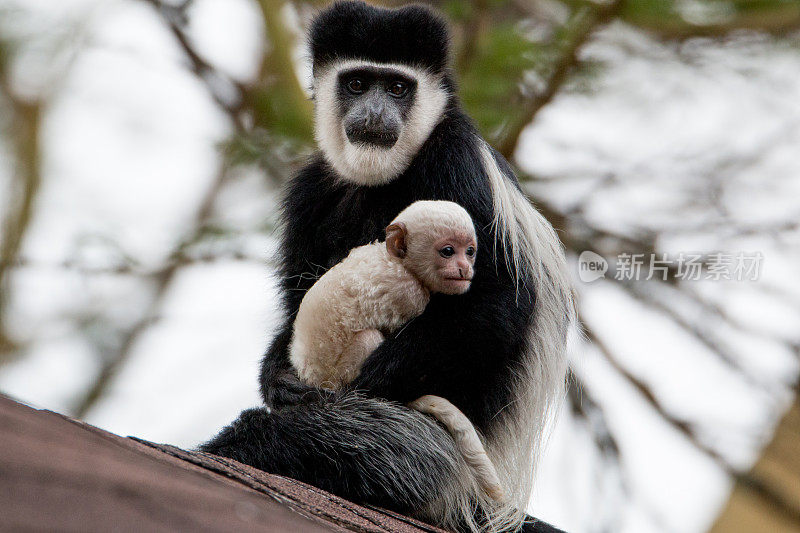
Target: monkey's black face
[374,104]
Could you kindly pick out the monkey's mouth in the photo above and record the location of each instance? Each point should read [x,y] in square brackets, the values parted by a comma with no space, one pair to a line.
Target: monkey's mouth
[379,138]
[453,285]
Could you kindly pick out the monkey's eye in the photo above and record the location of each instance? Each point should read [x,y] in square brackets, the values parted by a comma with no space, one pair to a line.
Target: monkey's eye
[470,251]
[398,89]
[355,86]
[447,251]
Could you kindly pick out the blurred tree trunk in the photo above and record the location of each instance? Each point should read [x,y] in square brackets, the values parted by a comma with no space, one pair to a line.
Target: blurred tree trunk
[278,100]
[17,210]
[747,509]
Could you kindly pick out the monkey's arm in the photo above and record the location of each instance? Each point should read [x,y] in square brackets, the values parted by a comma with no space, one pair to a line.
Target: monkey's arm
[279,382]
[302,256]
[459,348]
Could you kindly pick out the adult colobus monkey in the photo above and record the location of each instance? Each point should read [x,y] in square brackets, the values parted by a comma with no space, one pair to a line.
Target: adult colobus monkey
[391,131]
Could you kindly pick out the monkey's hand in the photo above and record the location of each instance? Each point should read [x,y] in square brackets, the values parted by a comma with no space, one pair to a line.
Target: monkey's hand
[287,389]
[280,384]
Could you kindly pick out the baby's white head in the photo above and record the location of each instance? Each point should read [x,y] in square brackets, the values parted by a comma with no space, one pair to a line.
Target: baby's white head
[436,241]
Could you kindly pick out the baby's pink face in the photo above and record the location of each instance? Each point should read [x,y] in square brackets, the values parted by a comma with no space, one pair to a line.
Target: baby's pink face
[454,259]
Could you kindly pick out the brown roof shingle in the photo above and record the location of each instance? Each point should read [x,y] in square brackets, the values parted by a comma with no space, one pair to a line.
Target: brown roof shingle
[61,474]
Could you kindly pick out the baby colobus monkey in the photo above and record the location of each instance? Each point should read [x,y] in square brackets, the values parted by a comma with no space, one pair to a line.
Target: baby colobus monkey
[430,247]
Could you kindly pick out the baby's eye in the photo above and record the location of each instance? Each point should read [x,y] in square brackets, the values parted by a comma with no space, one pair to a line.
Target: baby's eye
[447,251]
[470,251]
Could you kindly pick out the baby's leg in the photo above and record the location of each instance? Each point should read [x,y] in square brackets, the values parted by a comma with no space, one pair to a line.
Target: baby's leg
[467,441]
[364,343]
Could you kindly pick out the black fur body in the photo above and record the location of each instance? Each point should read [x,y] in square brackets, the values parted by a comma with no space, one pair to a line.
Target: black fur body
[363,443]
[461,348]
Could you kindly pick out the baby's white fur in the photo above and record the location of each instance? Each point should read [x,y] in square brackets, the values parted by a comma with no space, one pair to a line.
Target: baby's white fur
[371,291]
[373,165]
[368,290]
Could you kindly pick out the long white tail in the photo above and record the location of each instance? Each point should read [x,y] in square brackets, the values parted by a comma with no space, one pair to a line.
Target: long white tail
[532,249]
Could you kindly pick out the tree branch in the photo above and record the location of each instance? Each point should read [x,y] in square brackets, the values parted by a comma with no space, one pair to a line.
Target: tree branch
[111,365]
[584,22]
[707,339]
[779,18]
[752,481]
[175,18]
[25,124]
[130,269]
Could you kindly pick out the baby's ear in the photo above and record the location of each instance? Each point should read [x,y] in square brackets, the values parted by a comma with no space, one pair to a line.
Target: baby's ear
[396,239]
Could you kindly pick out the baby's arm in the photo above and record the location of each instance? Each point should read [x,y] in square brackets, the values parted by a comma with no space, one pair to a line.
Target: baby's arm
[363,344]
[467,441]
[340,318]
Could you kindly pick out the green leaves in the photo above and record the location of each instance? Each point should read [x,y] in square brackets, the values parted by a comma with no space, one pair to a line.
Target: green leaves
[490,82]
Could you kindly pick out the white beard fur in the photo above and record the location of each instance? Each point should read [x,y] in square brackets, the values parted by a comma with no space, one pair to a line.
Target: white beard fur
[372,165]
